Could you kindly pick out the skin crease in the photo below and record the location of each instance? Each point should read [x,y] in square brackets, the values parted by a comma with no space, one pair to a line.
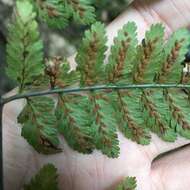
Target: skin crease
[96,171]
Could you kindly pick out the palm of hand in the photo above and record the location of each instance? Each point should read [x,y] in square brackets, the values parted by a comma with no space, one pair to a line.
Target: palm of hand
[96,171]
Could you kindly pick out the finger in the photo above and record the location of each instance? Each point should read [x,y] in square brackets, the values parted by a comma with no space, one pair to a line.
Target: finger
[158,146]
[172,171]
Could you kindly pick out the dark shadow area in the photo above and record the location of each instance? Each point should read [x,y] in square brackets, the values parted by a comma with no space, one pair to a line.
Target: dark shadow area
[170,152]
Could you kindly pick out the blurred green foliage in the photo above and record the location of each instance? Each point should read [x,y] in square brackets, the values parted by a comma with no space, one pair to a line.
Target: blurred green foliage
[106,11]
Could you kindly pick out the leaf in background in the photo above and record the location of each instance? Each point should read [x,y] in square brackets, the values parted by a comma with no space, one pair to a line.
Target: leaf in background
[81,10]
[91,55]
[45,179]
[52,12]
[74,122]
[129,183]
[39,125]
[123,54]
[24,49]
[150,55]
[174,54]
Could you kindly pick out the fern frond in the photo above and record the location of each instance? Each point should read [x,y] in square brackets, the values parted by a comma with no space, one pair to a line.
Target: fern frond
[90,120]
[179,106]
[73,122]
[150,54]
[174,54]
[81,10]
[52,12]
[91,55]
[129,116]
[104,124]
[123,54]
[157,115]
[129,183]
[39,125]
[119,68]
[45,179]
[24,49]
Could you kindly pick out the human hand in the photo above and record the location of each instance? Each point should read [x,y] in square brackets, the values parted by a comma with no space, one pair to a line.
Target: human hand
[96,171]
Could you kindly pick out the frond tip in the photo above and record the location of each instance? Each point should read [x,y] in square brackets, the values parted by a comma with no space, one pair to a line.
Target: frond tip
[123,53]
[174,54]
[149,56]
[24,48]
[91,55]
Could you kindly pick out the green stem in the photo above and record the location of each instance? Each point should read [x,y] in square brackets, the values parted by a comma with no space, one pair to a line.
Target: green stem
[91,88]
